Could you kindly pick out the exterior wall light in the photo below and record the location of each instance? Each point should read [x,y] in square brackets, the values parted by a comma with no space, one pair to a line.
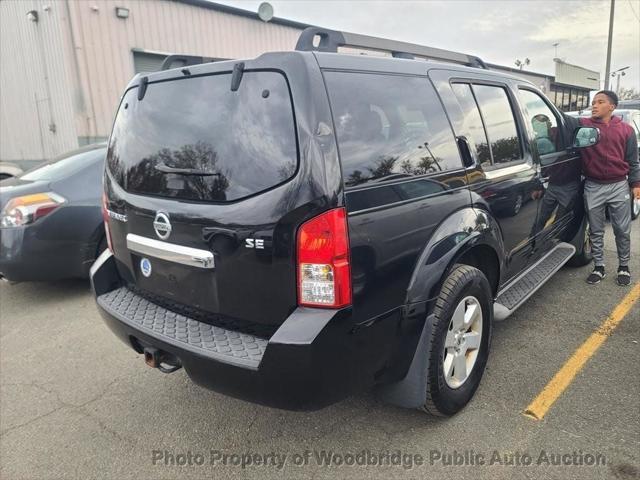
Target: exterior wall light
[33,15]
[122,12]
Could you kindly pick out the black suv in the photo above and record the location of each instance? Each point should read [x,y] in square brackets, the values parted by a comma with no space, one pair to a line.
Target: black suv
[305,225]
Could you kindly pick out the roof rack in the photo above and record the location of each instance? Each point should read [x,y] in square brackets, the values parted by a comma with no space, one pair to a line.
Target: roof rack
[176,61]
[330,40]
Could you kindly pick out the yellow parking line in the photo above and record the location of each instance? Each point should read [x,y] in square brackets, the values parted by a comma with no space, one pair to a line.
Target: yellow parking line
[550,393]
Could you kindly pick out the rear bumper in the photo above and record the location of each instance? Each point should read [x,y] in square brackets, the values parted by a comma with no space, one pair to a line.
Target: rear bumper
[314,359]
[31,253]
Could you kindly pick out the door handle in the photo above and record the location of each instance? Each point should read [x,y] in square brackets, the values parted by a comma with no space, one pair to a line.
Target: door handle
[465,152]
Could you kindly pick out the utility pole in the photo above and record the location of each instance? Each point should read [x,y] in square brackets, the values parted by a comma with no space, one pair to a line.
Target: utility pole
[608,68]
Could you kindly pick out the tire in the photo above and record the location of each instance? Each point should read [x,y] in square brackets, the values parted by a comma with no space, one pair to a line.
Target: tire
[583,255]
[518,201]
[448,392]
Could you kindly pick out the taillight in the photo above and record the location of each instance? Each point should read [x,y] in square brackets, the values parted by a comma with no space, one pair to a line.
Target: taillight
[27,209]
[324,274]
[105,217]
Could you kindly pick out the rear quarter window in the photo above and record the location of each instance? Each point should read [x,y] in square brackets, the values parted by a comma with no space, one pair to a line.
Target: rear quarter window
[389,126]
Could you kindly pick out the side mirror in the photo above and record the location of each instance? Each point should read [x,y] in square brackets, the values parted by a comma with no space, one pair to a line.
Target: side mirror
[585,137]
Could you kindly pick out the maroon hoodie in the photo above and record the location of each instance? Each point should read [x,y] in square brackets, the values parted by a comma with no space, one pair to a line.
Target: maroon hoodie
[615,157]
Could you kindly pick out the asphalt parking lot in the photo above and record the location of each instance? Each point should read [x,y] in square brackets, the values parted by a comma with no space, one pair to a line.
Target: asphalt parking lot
[77,403]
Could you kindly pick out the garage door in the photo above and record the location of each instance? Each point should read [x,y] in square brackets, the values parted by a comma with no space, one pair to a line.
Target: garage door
[147,62]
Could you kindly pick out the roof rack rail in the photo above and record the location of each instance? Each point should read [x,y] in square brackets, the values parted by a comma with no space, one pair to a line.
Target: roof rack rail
[330,40]
[177,61]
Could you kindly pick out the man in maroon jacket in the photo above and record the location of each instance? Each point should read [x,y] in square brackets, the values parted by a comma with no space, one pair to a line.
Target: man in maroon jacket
[610,167]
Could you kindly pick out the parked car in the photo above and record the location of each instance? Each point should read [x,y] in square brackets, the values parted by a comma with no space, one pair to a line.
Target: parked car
[51,223]
[630,104]
[302,226]
[8,170]
[632,117]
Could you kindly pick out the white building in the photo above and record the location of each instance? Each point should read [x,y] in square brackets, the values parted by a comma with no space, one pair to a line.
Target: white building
[65,63]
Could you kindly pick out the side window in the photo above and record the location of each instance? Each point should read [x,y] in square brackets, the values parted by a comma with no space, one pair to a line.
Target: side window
[499,122]
[389,127]
[543,122]
[473,122]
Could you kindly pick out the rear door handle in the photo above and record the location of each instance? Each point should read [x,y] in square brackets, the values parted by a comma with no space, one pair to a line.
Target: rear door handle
[465,151]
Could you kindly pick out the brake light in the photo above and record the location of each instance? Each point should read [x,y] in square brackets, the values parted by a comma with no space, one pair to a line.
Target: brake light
[324,273]
[27,209]
[105,218]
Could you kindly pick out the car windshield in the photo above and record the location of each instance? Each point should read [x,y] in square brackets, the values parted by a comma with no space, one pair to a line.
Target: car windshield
[64,165]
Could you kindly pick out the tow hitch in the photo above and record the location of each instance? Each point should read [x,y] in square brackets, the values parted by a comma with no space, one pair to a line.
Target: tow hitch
[163,361]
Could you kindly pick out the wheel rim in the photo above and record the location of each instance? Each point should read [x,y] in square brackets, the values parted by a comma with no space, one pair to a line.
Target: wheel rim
[462,343]
[518,205]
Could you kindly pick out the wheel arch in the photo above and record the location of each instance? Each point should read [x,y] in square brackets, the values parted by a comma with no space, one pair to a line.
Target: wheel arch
[472,236]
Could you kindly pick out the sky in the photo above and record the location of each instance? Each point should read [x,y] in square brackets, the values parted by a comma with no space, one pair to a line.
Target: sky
[497,31]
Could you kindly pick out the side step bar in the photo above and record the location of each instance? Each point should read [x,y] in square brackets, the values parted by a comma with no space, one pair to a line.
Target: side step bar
[516,292]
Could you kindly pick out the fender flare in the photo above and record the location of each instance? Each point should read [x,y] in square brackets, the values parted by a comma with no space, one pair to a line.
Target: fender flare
[456,235]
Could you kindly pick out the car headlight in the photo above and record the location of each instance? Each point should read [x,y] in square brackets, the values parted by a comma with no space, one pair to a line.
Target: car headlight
[27,209]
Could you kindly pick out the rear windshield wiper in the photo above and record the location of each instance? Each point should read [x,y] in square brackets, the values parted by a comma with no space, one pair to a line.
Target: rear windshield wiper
[162,167]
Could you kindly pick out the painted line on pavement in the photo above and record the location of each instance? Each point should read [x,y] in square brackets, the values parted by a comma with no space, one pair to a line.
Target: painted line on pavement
[559,383]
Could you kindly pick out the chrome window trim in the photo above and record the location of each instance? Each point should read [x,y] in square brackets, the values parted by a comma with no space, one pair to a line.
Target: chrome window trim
[501,172]
[170,252]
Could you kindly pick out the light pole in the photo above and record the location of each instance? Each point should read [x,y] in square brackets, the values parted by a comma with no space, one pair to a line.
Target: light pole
[608,68]
[618,73]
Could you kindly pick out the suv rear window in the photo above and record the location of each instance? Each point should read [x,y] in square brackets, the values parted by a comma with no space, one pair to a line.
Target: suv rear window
[195,139]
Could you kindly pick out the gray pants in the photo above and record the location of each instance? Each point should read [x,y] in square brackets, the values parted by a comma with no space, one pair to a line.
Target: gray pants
[615,196]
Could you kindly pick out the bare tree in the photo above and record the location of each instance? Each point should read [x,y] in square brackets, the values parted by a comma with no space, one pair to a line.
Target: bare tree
[628,94]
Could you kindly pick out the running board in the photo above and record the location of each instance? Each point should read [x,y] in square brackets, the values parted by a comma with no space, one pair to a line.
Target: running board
[516,292]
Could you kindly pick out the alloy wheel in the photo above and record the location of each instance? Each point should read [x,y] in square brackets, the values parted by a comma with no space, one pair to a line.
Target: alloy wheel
[462,343]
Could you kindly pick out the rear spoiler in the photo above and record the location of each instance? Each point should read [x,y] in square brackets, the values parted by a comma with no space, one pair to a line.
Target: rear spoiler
[177,61]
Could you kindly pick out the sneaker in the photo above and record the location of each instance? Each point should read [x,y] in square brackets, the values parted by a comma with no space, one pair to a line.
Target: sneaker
[596,276]
[624,276]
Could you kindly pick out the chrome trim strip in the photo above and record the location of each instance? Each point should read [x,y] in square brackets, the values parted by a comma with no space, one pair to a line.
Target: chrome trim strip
[503,172]
[171,252]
